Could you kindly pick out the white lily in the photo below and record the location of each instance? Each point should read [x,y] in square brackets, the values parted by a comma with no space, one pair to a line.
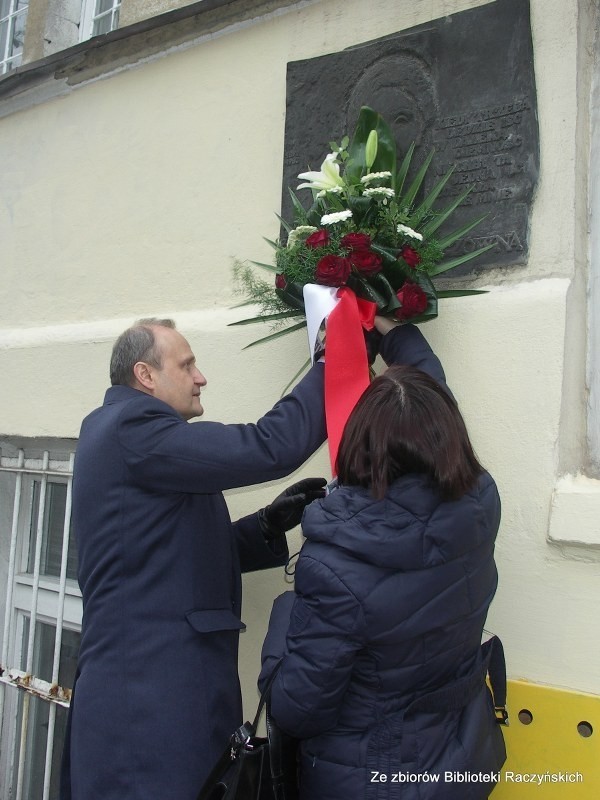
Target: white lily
[328,178]
[371,149]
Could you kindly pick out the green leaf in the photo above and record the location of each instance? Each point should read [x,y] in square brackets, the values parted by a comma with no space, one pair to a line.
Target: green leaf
[457,234]
[456,262]
[389,255]
[299,209]
[459,292]
[277,334]
[293,295]
[273,244]
[314,214]
[360,207]
[263,318]
[366,291]
[385,160]
[297,375]
[430,313]
[426,205]
[386,290]
[249,302]
[284,224]
[403,171]
[442,215]
[270,267]
[412,190]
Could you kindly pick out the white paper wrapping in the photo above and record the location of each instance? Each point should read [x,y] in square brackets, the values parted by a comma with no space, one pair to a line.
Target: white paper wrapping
[319,302]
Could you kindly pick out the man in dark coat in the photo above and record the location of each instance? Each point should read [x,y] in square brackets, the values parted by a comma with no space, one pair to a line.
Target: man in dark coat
[157,691]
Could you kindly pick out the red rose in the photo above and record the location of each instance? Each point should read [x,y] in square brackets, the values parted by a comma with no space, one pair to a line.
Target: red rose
[366,262]
[319,238]
[356,241]
[332,271]
[413,299]
[280,281]
[411,256]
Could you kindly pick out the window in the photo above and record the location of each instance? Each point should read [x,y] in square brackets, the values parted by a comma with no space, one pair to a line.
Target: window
[42,616]
[594,282]
[13,14]
[98,17]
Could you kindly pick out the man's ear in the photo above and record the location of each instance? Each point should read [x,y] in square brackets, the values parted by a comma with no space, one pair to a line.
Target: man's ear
[143,375]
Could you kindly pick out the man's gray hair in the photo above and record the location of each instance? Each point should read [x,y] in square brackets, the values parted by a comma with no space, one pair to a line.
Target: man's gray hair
[137,343]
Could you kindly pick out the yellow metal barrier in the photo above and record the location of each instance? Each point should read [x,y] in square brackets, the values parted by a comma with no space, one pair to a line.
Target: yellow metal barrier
[553,744]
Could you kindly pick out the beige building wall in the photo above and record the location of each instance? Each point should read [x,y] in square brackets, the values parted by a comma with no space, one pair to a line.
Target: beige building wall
[130,195]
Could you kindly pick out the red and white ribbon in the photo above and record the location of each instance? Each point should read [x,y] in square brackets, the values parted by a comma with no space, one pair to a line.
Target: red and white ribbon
[346,362]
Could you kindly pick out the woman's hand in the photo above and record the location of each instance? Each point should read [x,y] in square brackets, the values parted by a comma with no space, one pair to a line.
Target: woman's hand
[385,324]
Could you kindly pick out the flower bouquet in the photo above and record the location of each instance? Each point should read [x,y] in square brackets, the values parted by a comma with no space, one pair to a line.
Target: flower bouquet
[367,229]
[366,245]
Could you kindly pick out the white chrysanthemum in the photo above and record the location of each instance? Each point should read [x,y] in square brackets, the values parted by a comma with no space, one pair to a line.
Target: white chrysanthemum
[300,232]
[331,190]
[337,216]
[379,191]
[409,232]
[375,176]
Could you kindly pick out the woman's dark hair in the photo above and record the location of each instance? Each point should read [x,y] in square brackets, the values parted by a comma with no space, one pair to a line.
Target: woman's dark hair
[406,422]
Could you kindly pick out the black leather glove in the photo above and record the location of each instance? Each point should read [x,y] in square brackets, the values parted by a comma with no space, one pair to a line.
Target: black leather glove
[285,512]
[372,341]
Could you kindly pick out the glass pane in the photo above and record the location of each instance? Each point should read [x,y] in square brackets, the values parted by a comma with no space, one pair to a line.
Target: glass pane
[104,5]
[21,4]
[39,710]
[4,7]
[52,536]
[3,37]
[102,25]
[18,34]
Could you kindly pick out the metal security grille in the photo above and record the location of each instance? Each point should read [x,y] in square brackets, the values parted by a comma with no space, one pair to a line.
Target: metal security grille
[42,617]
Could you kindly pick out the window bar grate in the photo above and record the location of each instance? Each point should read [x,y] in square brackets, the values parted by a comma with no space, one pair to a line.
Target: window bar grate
[59,627]
[26,681]
[12,560]
[39,533]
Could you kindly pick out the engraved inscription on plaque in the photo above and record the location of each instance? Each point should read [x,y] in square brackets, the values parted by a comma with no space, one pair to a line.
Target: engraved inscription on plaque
[489,152]
[464,85]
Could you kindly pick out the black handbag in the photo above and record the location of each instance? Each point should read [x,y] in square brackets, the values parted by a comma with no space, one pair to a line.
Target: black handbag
[255,767]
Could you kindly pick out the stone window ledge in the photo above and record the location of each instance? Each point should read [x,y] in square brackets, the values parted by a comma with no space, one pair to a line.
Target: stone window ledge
[575,511]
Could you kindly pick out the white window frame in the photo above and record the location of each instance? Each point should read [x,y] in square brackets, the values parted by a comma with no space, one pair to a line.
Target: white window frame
[38,598]
[89,17]
[594,279]
[575,507]
[8,57]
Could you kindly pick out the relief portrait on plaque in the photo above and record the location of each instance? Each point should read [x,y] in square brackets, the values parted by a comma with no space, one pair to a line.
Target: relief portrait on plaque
[462,85]
[403,83]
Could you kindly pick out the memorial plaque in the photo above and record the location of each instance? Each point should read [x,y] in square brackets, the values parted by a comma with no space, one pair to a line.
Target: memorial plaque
[464,85]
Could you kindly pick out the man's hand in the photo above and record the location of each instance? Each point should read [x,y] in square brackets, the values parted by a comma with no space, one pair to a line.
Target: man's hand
[285,512]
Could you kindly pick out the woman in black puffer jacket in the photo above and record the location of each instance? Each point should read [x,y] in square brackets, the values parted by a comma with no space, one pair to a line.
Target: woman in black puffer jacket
[381,675]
